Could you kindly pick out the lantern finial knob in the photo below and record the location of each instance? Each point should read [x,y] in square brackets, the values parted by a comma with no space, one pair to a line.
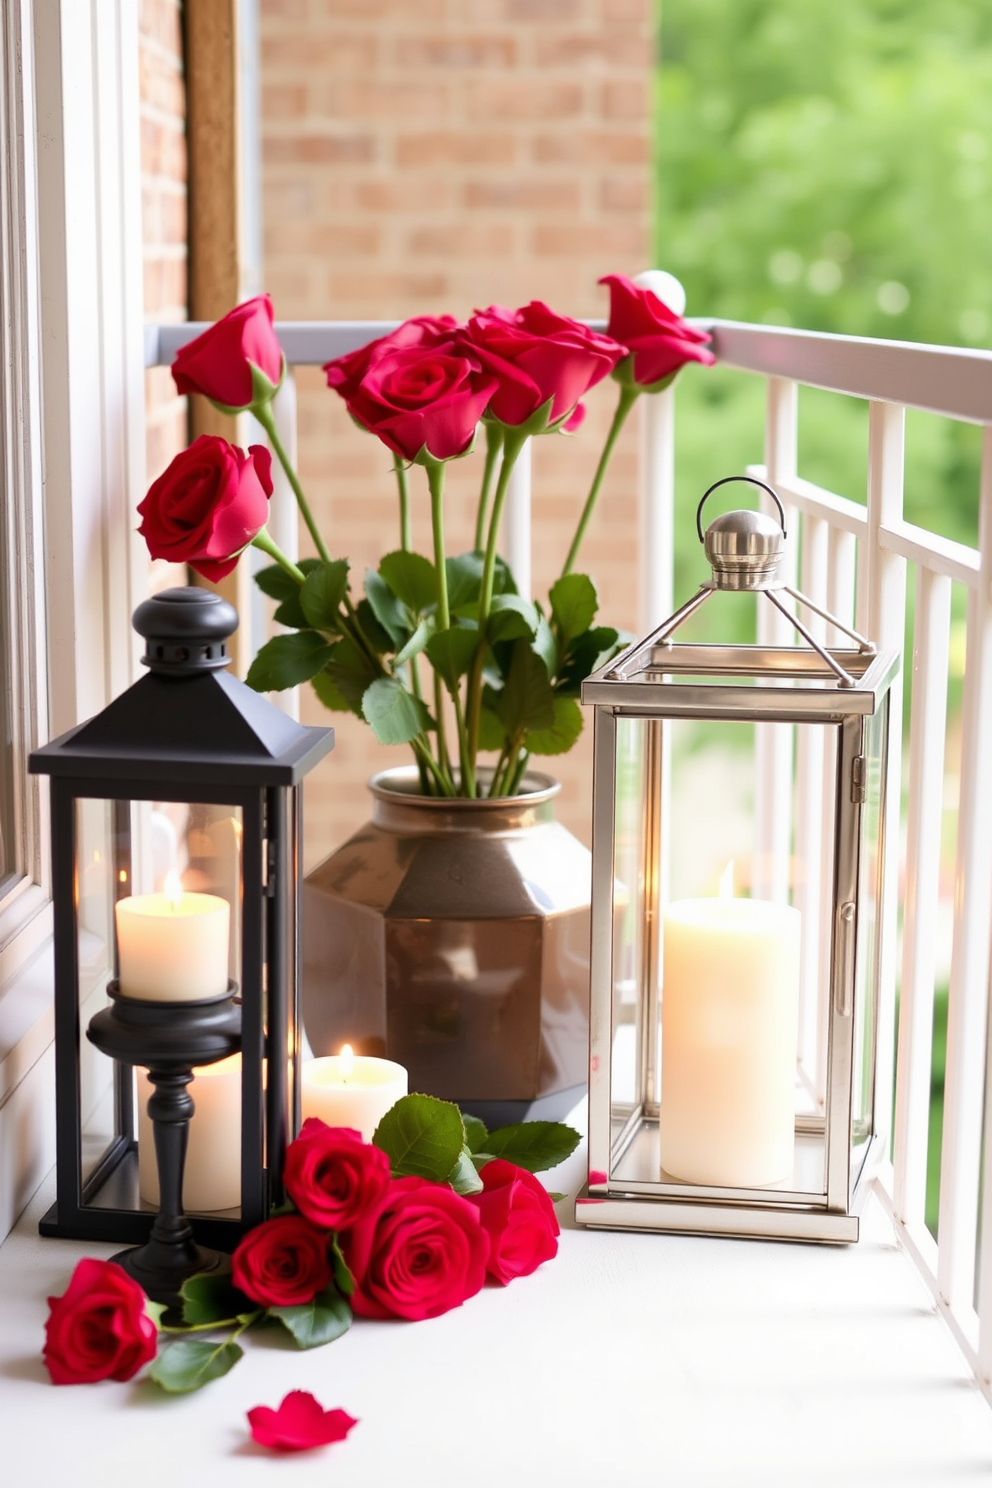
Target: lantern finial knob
[743,547]
[185,630]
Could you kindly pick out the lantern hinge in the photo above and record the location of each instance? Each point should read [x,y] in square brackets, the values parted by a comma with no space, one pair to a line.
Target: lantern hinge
[270,868]
[858,776]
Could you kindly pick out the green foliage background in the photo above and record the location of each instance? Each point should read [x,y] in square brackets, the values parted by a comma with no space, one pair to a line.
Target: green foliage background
[828,166]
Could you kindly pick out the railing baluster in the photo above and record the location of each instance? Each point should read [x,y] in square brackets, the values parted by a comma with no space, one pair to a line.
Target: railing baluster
[926,789]
[881,612]
[516,544]
[967,1006]
[773,745]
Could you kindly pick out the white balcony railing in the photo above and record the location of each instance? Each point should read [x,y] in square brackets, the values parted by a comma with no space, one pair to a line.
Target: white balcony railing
[854,562]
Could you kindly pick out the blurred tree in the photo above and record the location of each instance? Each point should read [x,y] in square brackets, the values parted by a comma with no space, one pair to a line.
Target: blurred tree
[829,166]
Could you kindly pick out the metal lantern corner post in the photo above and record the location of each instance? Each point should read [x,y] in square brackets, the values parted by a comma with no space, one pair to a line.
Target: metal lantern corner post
[176,820]
[737,857]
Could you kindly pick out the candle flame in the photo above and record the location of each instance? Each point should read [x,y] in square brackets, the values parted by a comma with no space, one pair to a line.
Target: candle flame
[173,889]
[347,1062]
[727,881]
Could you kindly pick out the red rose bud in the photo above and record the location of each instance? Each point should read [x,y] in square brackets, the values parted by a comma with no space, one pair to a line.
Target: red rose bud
[207,506]
[299,1423]
[537,355]
[660,342]
[98,1329]
[519,1218]
[422,1254]
[219,363]
[334,1177]
[283,1262]
[345,373]
[423,399]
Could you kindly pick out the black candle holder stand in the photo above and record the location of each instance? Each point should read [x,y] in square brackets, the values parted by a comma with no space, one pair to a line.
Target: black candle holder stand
[168,1039]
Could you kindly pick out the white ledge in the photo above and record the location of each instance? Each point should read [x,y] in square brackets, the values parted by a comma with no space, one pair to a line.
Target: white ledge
[631,1359]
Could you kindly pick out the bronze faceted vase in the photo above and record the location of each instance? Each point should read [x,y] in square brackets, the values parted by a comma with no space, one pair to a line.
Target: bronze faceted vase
[453,937]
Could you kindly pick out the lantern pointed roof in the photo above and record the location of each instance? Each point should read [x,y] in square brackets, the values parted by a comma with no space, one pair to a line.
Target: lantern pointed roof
[188,720]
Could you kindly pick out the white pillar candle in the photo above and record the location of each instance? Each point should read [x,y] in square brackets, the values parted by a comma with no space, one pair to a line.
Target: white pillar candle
[173,947]
[728,1044]
[353,1090]
[212,1177]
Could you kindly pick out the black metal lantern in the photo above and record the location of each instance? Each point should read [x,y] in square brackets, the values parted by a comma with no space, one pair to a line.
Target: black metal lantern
[176,819]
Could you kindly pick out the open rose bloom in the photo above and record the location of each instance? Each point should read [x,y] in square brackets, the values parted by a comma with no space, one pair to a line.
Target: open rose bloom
[99,1328]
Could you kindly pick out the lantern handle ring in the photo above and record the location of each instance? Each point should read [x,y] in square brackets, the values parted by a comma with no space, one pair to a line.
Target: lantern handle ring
[752,480]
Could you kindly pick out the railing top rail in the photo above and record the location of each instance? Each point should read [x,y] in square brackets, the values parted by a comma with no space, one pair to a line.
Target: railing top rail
[950,380]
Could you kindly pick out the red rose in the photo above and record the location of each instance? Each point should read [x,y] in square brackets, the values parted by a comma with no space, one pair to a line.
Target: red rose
[537,355]
[660,342]
[519,1218]
[423,1253]
[207,506]
[334,1177]
[345,373]
[300,1422]
[218,363]
[423,398]
[283,1262]
[98,1329]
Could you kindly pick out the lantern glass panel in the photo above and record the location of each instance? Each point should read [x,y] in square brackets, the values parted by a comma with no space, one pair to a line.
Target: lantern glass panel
[724,835]
[138,865]
[869,940]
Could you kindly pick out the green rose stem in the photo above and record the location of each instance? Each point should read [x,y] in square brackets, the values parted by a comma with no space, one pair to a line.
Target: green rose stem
[628,397]
[241,1323]
[406,534]
[435,479]
[263,412]
[263,541]
[494,448]
[513,442]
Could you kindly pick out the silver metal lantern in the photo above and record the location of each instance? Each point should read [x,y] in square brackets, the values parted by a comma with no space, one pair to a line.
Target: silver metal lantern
[737,862]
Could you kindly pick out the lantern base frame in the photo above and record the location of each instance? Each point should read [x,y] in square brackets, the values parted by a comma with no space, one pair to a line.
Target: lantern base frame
[731,1221]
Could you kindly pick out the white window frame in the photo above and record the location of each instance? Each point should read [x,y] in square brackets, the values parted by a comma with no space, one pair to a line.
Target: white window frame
[72,444]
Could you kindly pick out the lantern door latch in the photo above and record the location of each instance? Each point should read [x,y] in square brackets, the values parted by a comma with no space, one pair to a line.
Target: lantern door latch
[858,779]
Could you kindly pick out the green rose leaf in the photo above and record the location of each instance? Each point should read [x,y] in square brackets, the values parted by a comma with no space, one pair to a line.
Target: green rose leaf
[559,738]
[290,613]
[492,734]
[545,645]
[534,1145]
[416,643]
[574,603]
[526,701]
[351,672]
[390,612]
[476,1132]
[212,1297]
[321,595]
[451,652]
[412,578]
[191,1362]
[422,1137]
[464,1177]
[329,695]
[278,584]
[587,654]
[511,617]
[396,715]
[316,1322]
[287,660]
[556,1198]
[343,1279]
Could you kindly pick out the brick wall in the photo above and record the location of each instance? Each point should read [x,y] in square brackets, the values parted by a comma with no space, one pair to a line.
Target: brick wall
[434,157]
[163,184]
